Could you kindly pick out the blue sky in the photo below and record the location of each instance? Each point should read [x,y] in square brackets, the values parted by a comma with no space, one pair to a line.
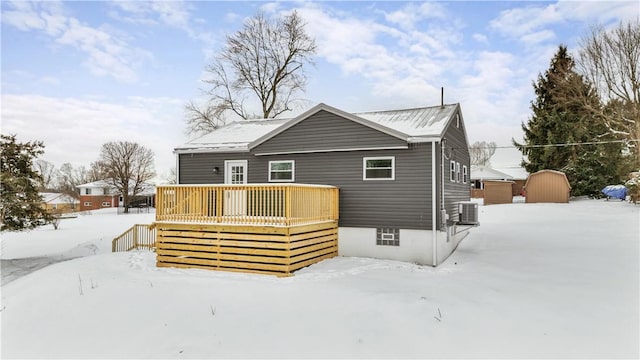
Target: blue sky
[78,74]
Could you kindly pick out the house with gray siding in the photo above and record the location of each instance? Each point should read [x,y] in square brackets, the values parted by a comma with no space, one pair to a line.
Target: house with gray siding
[402,174]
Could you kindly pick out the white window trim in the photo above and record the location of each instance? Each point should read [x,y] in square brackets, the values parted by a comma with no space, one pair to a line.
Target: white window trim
[393,167]
[293,170]
[452,171]
[458,178]
[465,174]
[87,203]
[106,204]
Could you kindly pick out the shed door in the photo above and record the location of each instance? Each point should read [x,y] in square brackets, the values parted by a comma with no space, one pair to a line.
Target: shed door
[235,201]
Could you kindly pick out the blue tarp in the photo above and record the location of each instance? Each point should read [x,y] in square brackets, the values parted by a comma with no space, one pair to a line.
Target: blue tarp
[615,191]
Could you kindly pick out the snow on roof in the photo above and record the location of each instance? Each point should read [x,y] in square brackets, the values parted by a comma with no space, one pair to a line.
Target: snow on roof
[418,122]
[516,172]
[410,124]
[147,188]
[96,184]
[480,172]
[235,136]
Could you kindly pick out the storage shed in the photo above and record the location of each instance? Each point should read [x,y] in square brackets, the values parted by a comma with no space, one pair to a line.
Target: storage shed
[547,186]
[498,192]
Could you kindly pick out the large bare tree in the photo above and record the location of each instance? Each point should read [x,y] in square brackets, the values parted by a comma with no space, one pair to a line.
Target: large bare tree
[263,61]
[48,174]
[480,152]
[610,61]
[128,167]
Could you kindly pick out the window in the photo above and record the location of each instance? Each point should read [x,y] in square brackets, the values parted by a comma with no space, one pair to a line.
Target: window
[458,172]
[282,170]
[465,174]
[378,168]
[452,172]
[388,236]
[106,204]
[458,120]
[87,203]
[87,191]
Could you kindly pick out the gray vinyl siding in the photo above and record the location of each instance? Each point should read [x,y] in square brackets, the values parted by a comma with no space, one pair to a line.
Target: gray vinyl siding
[197,168]
[455,192]
[404,202]
[325,131]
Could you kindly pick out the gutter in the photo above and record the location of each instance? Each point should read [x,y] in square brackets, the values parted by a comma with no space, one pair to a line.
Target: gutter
[434,201]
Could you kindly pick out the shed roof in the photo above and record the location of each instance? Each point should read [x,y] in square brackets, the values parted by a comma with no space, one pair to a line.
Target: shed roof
[547,171]
[412,125]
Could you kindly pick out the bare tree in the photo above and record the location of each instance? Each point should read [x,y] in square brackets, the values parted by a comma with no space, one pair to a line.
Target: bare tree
[610,60]
[203,119]
[480,152]
[264,61]
[47,173]
[69,177]
[129,166]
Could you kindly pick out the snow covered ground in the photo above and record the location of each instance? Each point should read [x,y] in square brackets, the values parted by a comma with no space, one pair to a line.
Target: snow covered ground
[89,233]
[533,281]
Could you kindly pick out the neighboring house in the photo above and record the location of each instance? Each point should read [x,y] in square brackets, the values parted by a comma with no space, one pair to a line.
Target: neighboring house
[97,195]
[401,174]
[481,174]
[101,194]
[59,203]
[508,160]
[547,186]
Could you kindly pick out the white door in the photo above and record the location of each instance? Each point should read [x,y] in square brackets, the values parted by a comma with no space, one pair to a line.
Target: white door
[235,201]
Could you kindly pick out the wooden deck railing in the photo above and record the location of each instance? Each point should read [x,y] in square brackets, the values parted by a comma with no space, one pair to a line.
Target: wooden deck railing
[138,236]
[254,204]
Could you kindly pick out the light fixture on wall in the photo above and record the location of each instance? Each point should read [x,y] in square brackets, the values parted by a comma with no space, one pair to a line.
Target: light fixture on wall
[216,170]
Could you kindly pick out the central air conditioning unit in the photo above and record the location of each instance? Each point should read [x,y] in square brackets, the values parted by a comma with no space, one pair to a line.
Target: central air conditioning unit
[468,213]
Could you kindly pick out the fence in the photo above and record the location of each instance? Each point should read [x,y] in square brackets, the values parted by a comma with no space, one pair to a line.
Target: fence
[256,204]
[138,236]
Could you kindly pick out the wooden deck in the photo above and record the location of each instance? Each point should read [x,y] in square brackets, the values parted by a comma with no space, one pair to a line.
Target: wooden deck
[261,228]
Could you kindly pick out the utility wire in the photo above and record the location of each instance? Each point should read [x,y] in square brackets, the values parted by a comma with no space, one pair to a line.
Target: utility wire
[564,144]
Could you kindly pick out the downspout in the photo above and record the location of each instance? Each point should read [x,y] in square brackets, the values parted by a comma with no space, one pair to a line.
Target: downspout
[434,201]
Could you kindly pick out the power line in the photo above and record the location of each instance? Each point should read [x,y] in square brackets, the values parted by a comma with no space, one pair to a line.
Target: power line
[564,144]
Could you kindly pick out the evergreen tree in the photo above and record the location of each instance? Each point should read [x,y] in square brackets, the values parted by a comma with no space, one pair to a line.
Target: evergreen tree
[566,112]
[20,204]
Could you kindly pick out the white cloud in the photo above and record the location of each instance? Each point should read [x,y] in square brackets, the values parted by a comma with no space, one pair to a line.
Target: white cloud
[530,23]
[79,127]
[480,38]
[538,37]
[410,15]
[107,54]
[176,14]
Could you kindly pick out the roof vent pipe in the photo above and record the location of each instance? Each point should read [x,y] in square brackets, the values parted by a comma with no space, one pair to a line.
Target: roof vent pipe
[442,97]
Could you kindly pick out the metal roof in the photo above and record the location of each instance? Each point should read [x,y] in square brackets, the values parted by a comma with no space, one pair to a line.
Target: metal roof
[413,125]
[235,136]
[426,122]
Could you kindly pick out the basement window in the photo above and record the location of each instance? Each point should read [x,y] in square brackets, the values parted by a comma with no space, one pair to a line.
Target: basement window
[388,236]
[87,203]
[282,171]
[379,168]
[106,204]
